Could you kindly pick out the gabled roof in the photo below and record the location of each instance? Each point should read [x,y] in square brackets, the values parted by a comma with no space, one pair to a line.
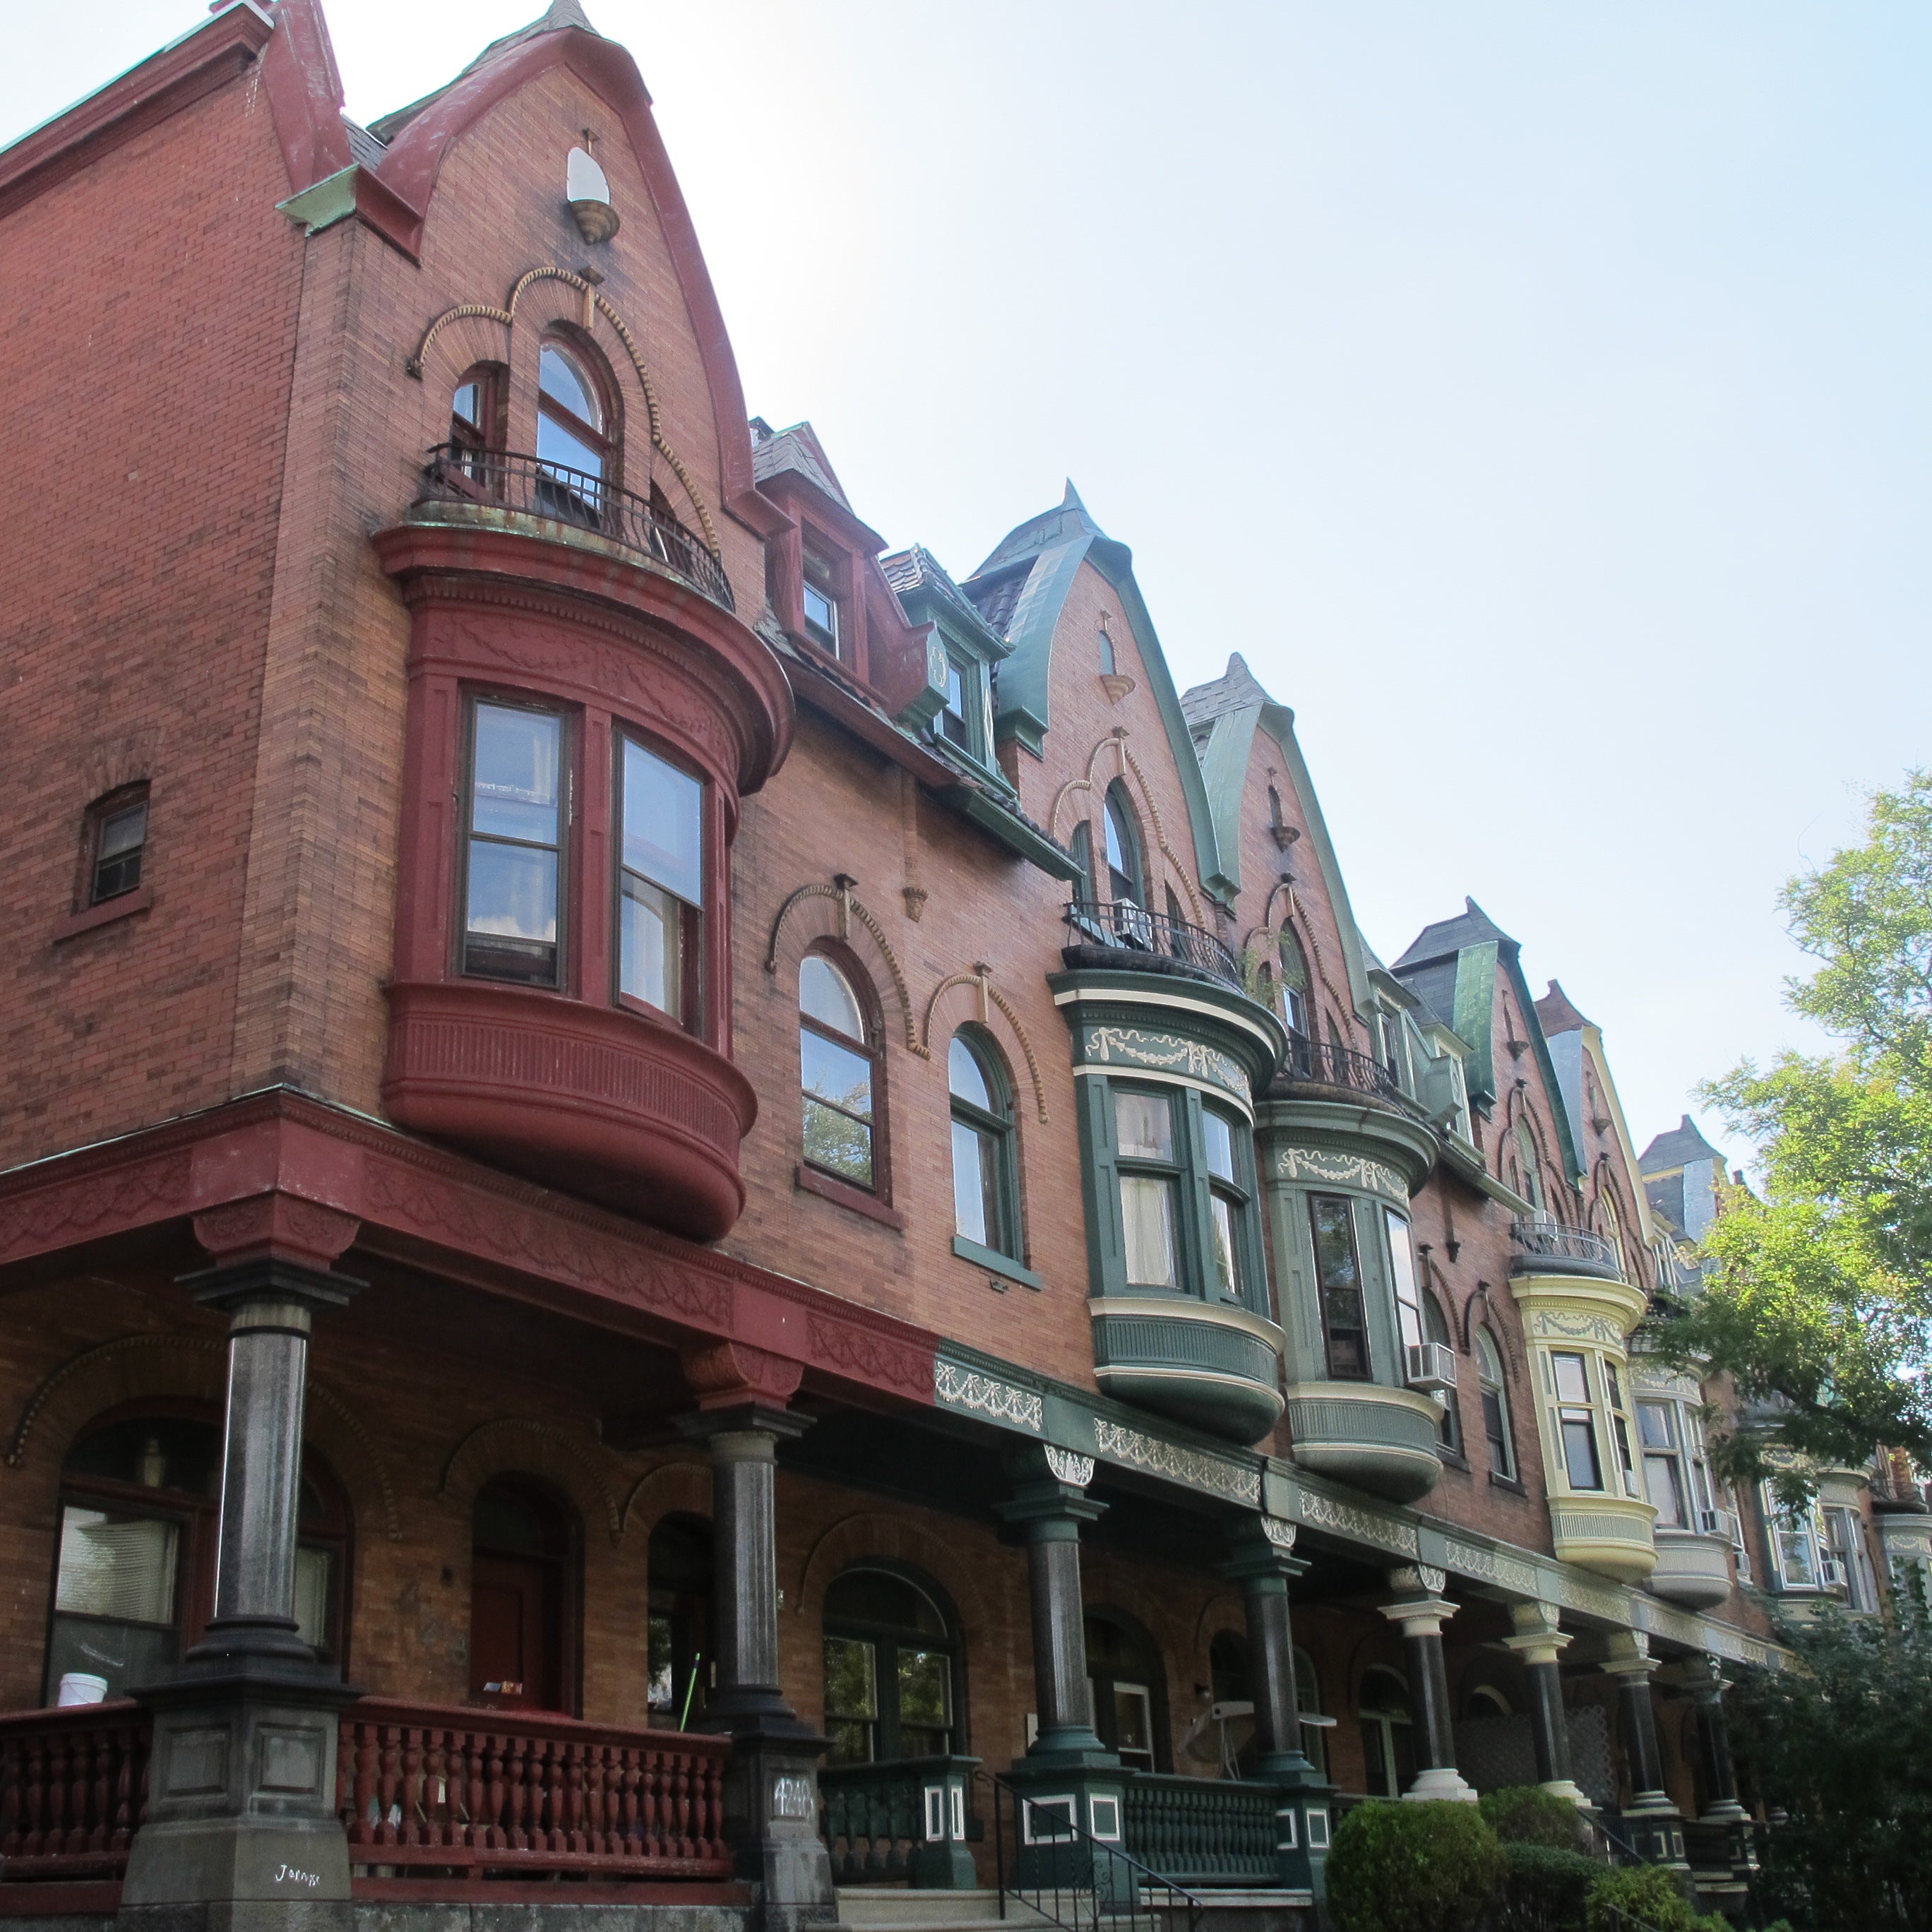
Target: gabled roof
[1557,1016]
[797,449]
[1677,1147]
[1235,689]
[1472,926]
[917,572]
[560,14]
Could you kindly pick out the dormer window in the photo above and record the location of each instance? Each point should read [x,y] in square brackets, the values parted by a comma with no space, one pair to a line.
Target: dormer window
[952,725]
[822,613]
[966,719]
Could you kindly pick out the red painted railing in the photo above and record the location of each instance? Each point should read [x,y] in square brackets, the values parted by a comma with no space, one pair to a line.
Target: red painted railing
[72,1784]
[423,1788]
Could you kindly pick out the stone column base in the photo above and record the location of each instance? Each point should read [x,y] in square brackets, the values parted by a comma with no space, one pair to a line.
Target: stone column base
[1562,1787]
[1442,1784]
[771,1820]
[1093,1797]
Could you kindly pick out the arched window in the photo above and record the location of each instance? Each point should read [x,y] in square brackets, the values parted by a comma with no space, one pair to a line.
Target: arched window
[134,1581]
[475,420]
[1485,1700]
[837,1057]
[1495,1405]
[1109,665]
[985,1192]
[1127,873]
[1308,1702]
[525,1546]
[1532,1168]
[573,436]
[682,1658]
[891,1658]
[1388,1747]
[1129,1692]
[1294,984]
[1435,1328]
[1081,846]
[1612,1228]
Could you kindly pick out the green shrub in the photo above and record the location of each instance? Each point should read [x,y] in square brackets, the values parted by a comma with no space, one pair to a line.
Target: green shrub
[1526,1814]
[1398,1867]
[1545,1889]
[1649,1895]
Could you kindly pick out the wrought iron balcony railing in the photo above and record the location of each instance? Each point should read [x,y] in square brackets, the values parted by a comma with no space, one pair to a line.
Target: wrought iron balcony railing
[502,479]
[1120,925]
[1541,1245]
[1315,1063]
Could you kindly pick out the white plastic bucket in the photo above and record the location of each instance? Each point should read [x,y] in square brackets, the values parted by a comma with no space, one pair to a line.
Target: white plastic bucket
[79,1687]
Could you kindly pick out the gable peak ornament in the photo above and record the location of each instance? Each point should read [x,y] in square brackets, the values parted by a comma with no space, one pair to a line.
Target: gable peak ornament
[587,189]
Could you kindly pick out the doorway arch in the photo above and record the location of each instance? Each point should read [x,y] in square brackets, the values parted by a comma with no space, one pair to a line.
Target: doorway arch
[527,1544]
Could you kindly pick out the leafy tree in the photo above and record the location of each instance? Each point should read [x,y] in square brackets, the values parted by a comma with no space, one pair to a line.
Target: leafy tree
[1838,1745]
[1818,1298]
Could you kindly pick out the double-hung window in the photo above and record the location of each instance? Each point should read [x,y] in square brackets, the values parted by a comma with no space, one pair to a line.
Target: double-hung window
[1150,1170]
[120,839]
[837,1060]
[1666,1478]
[661,881]
[823,614]
[1227,1206]
[1495,1405]
[985,1210]
[956,717]
[1338,1280]
[512,918]
[1575,1420]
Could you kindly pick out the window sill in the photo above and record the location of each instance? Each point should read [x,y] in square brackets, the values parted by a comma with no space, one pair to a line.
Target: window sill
[1508,1483]
[120,907]
[994,1262]
[1452,1459]
[844,1194]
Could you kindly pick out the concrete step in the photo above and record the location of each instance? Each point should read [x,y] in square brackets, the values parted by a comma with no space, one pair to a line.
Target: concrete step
[895,1908]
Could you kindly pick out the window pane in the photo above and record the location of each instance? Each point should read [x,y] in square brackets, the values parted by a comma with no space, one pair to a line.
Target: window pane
[836,1141]
[1402,1261]
[851,1679]
[661,1664]
[650,945]
[1653,1425]
[1488,1362]
[315,1574]
[1572,1380]
[1495,1428]
[1147,1216]
[969,1184]
[823,994]
[965,1076]
[821,613]
[1143,1126]
[1661,1478]
[1219,1132]
[113,1565]
[663,823]
[1334,1243]
[1133,1720]
[556,445]
[1227,1247]
[836,1073]
[467,404]
[953,718]
[559,378]
[124,831]
[514,791]
[513,892]
[924,1701]
[1579,1453]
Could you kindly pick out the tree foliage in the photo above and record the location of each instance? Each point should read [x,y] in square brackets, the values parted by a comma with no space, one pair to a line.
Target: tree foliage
[1398,1867]
[1818,1300]
[1838,1745]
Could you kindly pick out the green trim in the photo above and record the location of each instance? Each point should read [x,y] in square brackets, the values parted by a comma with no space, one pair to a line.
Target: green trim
[996,1263]
[1013,831]
[323,203]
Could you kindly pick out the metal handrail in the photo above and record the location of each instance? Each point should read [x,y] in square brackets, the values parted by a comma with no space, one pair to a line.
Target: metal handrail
[1119,925]
[1550,1240]
[1078,1907]
[1315,1063]
[503,479]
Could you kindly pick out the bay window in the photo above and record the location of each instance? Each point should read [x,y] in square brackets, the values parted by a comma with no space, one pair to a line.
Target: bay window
[1576,1422]
[1338,1281]
[1676,1475]
[1149,1180]
[512,914]
[661,881]
[1227,1206]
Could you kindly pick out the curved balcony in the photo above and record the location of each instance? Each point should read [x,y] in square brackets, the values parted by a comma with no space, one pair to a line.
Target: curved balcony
[1120,936]
[1609,1535]
[1321,1064]
[1382,1440]
[1693,1566]
[603,1102]
[1216,1368]
[1547,1247]
[505,482]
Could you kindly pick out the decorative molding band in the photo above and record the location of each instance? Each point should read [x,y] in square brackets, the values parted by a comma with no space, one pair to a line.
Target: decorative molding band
[1075,1470]
[1320,1512]
[1468,1559]
[1565,1326]
[1279,1532]
[960,1388]
[1165,1052]
[1423,1577]
[1340,1170]
[1194,1467]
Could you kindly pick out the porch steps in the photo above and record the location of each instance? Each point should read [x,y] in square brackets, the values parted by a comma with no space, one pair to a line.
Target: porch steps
[891,1908]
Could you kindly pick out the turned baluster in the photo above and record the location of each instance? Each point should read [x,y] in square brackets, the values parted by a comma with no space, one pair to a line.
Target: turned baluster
[100,1783]
[60,1750]
[11,1771]
[596,1800]
[436,1769]
[363,1830]
[556,1779]
[687,1843]
[409,1831]
[577,1762]
[629,1838]
[388,1786]
[714,1807]
[516,1768]
[496,1796]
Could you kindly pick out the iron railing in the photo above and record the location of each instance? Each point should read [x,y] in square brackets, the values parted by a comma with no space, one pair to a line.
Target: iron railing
[1120,925]
[1054,1866]
[1568,1250]
[1315,1063]
[503,480]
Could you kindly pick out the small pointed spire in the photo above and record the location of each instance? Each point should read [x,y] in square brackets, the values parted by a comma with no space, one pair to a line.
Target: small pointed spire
[565,13]
[1071,501]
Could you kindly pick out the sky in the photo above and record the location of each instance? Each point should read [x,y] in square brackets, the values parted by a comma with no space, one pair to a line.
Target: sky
[1537,395]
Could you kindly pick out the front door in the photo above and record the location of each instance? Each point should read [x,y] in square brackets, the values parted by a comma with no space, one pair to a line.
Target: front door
[512,1645]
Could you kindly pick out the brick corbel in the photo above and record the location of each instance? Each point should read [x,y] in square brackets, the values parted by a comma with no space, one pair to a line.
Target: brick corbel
[277,1226]
[728,1375]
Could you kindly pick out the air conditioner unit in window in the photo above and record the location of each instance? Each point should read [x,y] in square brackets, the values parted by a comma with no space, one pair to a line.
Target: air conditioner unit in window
[1719,1523]
[1432,1365]
[1831,1572]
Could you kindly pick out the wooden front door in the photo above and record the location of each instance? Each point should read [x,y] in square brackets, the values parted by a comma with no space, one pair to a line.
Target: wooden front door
[513,1659]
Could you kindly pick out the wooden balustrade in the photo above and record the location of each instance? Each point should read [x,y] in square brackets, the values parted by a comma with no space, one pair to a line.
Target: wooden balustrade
[423,1789]
[73,1784]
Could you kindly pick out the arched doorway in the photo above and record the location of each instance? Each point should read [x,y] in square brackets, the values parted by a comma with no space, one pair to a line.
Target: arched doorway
[683,1653]
[1388,1744]
[134,1575]
[525,1541]
[1130,1691]
[891,1661]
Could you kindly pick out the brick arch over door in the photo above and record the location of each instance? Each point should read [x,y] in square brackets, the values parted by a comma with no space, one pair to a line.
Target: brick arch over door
[817,912]
[873,1534]
[521,1445]
[672,1488]
[194,1368]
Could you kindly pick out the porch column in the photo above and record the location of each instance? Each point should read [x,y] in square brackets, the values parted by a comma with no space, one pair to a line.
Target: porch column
[240,1827]
[1049,1505]
[771,1786]
[1655,1825]
[1262,1564]
[1706,1679]
[1539,1642]
[1421,1610]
